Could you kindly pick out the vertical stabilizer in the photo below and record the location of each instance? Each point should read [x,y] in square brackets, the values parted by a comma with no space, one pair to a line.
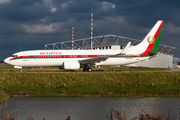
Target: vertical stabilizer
[151,41]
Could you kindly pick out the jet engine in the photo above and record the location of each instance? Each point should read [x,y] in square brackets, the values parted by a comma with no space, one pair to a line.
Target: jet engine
[71,65]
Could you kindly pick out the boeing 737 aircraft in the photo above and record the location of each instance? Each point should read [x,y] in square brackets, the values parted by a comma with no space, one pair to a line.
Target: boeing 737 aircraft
[76,59]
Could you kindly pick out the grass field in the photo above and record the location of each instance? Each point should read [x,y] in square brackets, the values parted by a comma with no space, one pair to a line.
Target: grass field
[91,84]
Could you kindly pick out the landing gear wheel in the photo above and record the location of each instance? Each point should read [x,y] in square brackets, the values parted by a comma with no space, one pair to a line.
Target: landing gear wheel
[21,70]
[89,69]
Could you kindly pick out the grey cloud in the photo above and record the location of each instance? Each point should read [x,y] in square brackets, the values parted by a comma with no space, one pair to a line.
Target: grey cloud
[20,3]
[26,12]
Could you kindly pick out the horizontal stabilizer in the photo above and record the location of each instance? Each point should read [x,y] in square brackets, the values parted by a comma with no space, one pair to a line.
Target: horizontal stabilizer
[155,55]
[160,51]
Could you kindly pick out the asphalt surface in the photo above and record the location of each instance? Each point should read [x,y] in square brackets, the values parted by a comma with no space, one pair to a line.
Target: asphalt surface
[175,69]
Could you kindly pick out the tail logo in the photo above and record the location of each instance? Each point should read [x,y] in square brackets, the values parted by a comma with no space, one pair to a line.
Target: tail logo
[151,39]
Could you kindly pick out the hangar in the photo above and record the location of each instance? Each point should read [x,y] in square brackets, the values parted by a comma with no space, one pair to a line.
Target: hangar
[163,60]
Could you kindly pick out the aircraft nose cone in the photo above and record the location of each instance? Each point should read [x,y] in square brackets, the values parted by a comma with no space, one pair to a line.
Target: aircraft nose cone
[7,60]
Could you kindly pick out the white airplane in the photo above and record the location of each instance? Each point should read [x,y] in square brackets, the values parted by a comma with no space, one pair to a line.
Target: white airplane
[76,59]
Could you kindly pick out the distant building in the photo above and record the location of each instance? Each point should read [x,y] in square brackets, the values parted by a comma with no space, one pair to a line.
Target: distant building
[161,61]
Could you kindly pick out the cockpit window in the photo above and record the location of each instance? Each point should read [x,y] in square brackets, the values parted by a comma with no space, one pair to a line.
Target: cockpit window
[14,55]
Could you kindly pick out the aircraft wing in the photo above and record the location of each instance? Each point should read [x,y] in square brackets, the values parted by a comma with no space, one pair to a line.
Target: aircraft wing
[92,61]
[157,53]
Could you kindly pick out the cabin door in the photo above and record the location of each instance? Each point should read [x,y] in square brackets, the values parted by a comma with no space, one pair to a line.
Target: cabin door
[25,57]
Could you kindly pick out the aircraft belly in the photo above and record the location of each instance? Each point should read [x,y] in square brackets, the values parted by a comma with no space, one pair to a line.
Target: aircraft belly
[38,62]
[42,62]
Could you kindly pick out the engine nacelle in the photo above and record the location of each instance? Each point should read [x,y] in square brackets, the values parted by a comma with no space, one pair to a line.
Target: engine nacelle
[71,65]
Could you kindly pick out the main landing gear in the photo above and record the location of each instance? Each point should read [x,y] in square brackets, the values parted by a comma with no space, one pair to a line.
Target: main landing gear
[87,69]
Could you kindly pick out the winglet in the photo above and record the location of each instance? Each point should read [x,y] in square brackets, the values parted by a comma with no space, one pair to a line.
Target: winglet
[124,51]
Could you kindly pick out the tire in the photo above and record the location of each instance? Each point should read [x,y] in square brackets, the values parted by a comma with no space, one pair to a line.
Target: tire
[89,69]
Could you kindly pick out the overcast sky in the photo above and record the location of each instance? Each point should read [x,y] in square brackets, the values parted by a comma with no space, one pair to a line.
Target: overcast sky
[33,23]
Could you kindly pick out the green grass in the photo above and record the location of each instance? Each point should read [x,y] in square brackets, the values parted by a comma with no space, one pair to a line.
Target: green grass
[4,66]
[94,83]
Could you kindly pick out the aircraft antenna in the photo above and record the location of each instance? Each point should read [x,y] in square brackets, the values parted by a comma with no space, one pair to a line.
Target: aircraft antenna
[20,48]
[72,36]
[92,29]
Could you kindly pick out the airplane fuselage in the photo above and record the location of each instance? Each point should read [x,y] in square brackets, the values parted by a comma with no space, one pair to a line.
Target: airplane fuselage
[42,58]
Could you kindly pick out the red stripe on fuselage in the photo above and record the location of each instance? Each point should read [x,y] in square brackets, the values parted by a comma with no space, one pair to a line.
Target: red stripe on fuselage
[70,56]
